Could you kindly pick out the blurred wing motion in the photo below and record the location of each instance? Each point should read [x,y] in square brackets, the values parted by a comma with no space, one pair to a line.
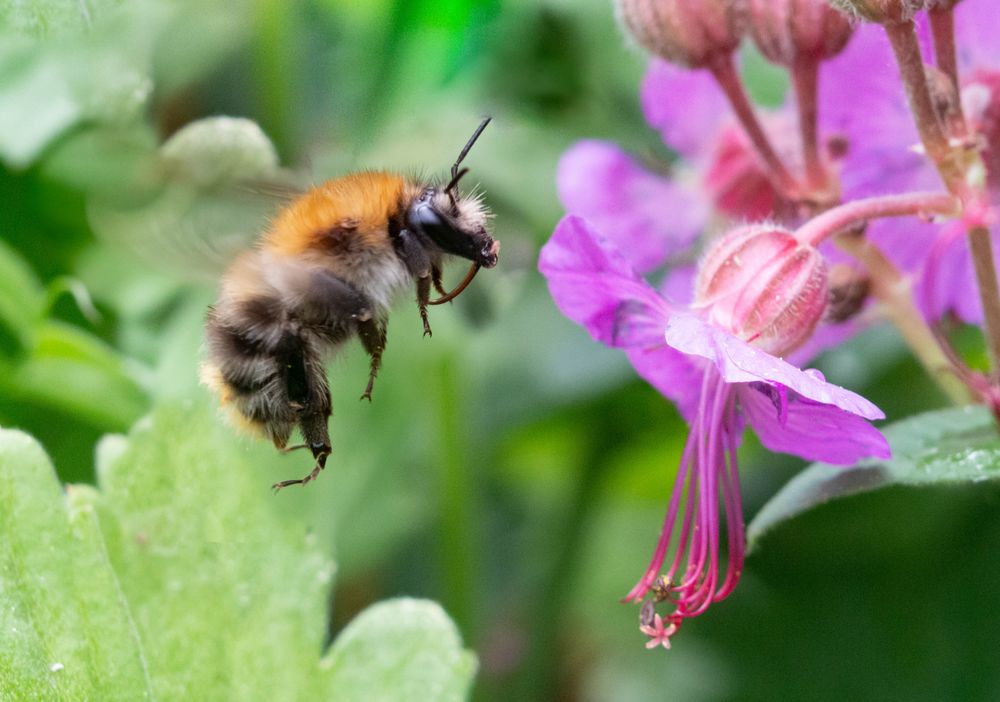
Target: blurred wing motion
[217,183]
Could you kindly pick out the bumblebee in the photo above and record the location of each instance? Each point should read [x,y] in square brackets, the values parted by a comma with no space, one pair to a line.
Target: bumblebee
[327,270]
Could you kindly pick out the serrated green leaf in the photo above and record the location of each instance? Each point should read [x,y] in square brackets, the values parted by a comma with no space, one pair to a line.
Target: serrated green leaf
[958,445]
[181,579]
[64,632]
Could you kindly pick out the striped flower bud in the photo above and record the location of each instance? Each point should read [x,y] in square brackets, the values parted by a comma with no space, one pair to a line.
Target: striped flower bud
[760,284]
[687,32]
[786,30]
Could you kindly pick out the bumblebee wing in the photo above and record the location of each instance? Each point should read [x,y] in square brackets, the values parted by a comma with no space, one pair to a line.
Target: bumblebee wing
[216,183]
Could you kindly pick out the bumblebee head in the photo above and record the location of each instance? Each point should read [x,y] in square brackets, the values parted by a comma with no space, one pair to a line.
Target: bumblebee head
[458,228]
[455,223]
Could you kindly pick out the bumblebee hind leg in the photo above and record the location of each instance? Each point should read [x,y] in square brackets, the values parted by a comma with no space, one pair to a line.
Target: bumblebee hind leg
[309,395]
[317,438]
[372,333]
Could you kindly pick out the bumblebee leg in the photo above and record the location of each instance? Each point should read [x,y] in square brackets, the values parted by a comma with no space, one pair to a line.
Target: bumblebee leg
[373,336]
[436,280]
[418,263]
[317,438]
[320,453]
[423,296]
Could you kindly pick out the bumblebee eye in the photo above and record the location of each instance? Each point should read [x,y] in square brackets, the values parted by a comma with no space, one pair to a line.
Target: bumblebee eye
[440,228]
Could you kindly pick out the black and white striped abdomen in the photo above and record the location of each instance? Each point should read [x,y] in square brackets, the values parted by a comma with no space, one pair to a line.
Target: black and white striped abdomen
[267,338]
[264,365]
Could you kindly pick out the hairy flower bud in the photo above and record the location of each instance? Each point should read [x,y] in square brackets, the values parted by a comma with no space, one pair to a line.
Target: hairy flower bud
[889,11]
[785,30]
[688,32]
[762,285]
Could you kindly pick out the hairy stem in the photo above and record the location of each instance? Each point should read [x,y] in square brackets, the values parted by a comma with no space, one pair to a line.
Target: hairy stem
[893,290]
[981,246]
[856,212]
[904,42]
[728,79]
[805,76]
[943,31]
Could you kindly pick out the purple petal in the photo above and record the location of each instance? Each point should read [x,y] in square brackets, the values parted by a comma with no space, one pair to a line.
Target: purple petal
[811,430]
[862,99]
[685,105]
[976,24]
[595,286]
[675,375]
[678,284]
[826,336]
[738,362]
[647,216]
[948,283]
[906,241]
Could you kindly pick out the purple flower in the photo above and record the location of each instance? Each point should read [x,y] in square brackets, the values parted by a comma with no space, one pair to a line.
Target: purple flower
[721,383]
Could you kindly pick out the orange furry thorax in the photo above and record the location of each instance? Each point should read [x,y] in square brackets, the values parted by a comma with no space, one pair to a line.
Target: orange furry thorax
[359,204]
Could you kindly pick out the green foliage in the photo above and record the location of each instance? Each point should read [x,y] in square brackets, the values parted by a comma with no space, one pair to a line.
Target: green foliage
[177,578]
[946,447]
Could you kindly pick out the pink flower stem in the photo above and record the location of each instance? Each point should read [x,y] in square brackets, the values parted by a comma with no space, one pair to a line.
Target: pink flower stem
[725,74]
[857,212]
[805,76]
[943,31]
[981,246]
[904,42]
[890,288]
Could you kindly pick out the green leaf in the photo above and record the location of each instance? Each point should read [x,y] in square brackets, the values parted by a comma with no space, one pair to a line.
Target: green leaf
[402,649]
[61,66]
[67,633]
[181,577]
[958,445]
[72,370]
[21,300]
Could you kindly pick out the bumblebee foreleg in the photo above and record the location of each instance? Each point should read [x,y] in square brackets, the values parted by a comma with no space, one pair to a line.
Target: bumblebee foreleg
[414,256]
[423,296]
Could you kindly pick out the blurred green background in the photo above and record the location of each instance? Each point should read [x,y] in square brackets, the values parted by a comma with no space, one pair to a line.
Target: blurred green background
[508,467]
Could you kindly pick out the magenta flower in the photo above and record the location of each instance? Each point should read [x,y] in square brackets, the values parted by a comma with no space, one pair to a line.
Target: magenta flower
[713,359]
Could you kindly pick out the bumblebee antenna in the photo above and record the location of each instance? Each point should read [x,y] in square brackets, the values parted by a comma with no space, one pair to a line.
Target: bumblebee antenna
[456,174]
